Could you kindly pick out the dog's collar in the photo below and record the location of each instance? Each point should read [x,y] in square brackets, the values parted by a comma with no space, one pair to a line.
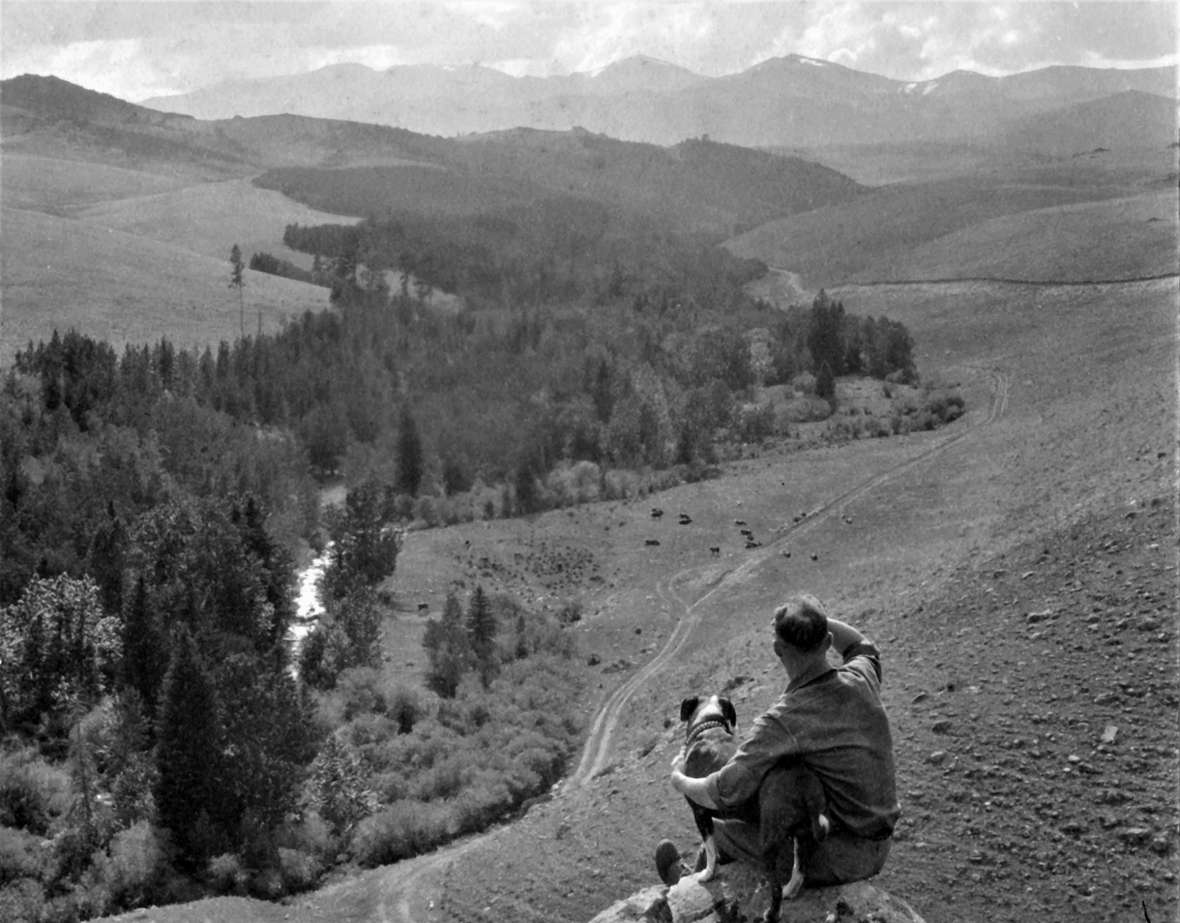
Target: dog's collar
[706,725]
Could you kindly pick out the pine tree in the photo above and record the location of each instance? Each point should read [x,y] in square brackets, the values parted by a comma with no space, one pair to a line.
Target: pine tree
[188,751]
[481,632]
[409,455]
[236,281]
[107,551]
[142,668]
[448,649]
[269,736]
[825,334]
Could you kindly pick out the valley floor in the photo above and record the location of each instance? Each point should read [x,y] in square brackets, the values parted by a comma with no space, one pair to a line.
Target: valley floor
[1018,569]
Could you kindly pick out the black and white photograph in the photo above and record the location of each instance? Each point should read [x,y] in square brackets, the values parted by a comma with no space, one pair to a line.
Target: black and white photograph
[589,461]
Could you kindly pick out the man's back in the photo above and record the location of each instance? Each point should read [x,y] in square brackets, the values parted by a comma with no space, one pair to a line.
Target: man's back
[838,727]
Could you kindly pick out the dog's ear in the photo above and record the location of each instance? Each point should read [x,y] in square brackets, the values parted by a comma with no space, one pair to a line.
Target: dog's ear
[688,706]
[728,711]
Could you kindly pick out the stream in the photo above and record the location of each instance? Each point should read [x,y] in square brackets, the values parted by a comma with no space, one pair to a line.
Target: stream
[308,606]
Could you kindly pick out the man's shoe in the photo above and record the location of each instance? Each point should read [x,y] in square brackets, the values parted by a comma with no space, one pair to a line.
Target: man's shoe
[668,862]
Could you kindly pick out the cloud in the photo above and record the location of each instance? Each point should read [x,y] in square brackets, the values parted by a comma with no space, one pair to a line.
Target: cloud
[143,48]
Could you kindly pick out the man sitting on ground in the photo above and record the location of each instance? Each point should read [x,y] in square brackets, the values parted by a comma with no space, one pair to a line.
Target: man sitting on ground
[832,720]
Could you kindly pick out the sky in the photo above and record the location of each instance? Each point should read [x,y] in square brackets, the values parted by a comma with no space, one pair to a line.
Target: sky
[137,50]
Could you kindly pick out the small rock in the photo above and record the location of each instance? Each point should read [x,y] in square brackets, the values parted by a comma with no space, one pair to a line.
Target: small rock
[1134,836]
[942,726]
[1161,844]
[1109,734]
[937,758]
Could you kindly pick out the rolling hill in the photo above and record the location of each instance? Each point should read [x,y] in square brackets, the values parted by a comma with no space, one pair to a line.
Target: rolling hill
[1076,221]
[118,219]
[175,181]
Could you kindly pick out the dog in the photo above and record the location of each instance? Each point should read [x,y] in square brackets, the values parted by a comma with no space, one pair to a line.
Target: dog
[789,808]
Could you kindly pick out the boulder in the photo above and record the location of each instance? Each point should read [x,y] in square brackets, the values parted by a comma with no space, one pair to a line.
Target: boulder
[739,893]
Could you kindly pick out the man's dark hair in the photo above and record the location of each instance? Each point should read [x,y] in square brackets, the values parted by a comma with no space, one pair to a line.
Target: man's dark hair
[801,623]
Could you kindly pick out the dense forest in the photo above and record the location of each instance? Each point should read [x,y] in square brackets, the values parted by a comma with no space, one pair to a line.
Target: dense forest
[160,742]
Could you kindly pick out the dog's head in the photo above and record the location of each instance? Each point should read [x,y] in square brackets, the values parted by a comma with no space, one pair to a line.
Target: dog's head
[698,711]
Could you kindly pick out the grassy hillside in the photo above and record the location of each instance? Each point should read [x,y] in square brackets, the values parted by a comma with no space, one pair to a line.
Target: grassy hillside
[210,218]
[1124,238]
[57,186]
[876,236]
[132,255]
[1129,119]
[124,288]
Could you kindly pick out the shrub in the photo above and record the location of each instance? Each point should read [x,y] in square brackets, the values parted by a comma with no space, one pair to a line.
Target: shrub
[399,831]
[359,689]
[570,612]
[22,901]
[755,422]
[403,706]
[226,874]
[311,834]
[32,792]
[300,871]
[20,855]
[137,864]
[426,509]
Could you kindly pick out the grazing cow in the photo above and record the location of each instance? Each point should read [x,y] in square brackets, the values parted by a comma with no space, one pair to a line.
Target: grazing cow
[739,522]
[651,541]
[423,607]
[786,554]
[814,556]
[685,519]
[750,543]
[715,550]
[656,512]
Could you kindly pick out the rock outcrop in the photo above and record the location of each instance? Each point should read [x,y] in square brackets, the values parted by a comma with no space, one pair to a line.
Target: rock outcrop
[740,894]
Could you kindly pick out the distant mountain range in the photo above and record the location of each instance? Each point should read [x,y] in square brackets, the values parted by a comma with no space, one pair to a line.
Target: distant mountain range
[792,101]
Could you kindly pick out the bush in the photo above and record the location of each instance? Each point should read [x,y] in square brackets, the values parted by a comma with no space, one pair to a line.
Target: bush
[570,484]
[32,792]
[359,689]
[300,871]
[20,855]
[402,830]
[22,901]
[755,422]
[226,875]
[310,835]
[139,862]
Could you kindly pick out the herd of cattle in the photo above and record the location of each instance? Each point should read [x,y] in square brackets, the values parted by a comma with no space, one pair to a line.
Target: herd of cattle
[747,534]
